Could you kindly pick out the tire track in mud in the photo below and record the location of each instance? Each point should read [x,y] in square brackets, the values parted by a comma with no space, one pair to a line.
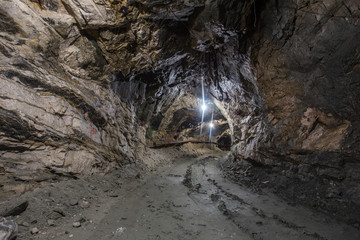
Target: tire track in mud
[188,182]
[236,208]
[192,200]
[279,220]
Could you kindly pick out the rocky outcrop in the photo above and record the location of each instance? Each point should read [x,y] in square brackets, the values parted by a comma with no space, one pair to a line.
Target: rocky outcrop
[306,59]
[58,112]
[80,80]
[8,229]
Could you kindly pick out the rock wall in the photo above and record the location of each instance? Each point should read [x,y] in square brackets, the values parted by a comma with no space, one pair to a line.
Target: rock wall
[83,81]
[58,113]
[306,58]
[80,81]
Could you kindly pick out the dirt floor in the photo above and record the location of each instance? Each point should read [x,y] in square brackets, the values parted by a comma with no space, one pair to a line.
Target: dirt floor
[187,199]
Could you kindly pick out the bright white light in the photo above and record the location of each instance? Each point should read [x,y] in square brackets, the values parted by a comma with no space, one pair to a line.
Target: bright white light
[211,125]
[203,107]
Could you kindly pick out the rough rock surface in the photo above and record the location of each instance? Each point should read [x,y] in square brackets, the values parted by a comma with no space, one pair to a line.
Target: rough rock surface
[57,114]
[8,229]
[306,56]
[82,81]
[62,110]
[180,123]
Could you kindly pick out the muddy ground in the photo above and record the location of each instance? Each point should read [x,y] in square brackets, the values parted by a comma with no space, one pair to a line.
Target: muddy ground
[186,199]
[329,195]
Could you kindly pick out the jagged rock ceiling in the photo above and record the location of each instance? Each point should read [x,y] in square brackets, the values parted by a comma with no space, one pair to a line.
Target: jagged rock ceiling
[82,81]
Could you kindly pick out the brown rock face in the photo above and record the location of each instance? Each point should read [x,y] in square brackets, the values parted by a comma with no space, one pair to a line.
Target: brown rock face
[86,86]
[58,113]
[79,79]
[306,57]
[321,132]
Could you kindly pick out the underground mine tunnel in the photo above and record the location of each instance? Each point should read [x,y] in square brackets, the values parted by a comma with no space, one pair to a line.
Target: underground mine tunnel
[186,119]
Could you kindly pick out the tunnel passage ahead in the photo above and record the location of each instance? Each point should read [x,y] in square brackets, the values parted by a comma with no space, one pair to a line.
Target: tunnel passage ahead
[183,122]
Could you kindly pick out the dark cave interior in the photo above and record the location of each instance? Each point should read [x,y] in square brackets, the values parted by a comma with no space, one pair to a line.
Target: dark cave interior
[91,86]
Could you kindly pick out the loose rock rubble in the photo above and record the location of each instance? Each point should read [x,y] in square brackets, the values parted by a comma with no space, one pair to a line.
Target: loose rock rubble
[8,229]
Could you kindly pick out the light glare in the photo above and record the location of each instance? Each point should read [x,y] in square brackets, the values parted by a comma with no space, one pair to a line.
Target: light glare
[203,107]
[211,125]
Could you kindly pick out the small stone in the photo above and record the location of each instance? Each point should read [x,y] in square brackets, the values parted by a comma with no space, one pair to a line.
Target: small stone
[51,222]
[25,224]
[74,202]
[8,229]
[84,204]
[34,230]
[71,235]
[16,210]
[76,224]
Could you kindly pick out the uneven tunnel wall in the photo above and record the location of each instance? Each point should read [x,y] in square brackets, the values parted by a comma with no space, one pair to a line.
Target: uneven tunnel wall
[82,84]
[185,121]
[306,57]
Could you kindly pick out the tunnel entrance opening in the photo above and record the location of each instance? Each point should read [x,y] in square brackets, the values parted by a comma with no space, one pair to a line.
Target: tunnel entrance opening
[182,123]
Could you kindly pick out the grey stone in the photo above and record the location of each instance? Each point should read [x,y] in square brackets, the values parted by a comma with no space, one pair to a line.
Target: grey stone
[34,230]
[84,203]
[74,202]
[8,229]
[51,222]
[25,224]
[16,210]
[76,224]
